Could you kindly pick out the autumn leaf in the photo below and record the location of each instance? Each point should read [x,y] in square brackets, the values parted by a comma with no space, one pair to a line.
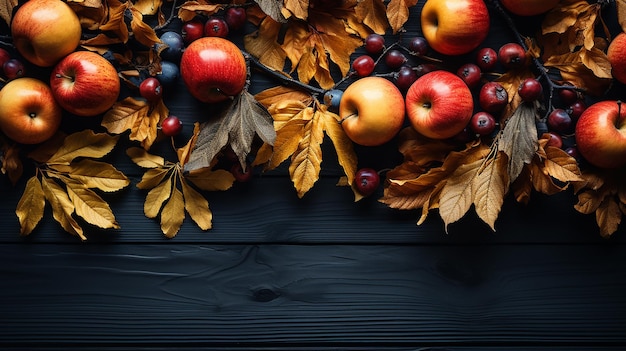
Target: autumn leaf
[11,163]
[621,13]
[374,15]
[90,206]
[62,207]
[519,138]
[6,10]
[142,31]
[138,116]
[30,208]
[191,8]
[85,143]
[398,13]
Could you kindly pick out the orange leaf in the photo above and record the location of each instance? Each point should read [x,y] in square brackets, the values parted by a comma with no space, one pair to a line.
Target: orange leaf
[398,13]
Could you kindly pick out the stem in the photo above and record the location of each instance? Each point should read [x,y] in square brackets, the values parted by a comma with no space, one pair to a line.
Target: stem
[169,19]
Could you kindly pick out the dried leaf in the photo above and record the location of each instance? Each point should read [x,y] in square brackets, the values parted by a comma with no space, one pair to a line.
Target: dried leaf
[6,10]
[31,206]
[173,214]
[374,15]
[97,174]
[115,26]
[457,195]
[153,177]
[344,147]
[62,207]
[275,95]
[156,197]
[142,158]
[11,162]
[263,44]
[90,206]
[398,13]
[197,207]
[211,180]
[138,116]
[237,126]
[519,138]
[306,161]
[296,8]
[142,31]
[85,143]
[190,9]
[184,152]
[608,216]
[491,186]
[147,7]
[273,9]
[621,13]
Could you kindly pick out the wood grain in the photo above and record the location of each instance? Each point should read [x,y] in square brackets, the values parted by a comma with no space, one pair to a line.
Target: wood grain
[321,295]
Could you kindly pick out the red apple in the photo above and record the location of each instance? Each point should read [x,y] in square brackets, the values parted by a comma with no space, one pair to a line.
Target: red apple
[601,134]
[372,111]
[439,104]
[45,31]
[28,112]
[529,7]
[213,69]
[616,54]
[85,84]
[455,27]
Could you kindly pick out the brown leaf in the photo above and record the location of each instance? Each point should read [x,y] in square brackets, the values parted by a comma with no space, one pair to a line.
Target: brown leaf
[138,116]
[263,44]
[173,214]
[11,162]
[421,150]
[519,138]
[374,15]
[85,143]
[608,216]
[31,206]
[621,13]
[153,177]
[6,10]
[147,7]
[491,185]
[211,180]
[272,8]
[191,8]
[296,8]
[156,197]
[142,31]
[281,93]
[588,202]
[306,160]
[142,158]
[237,127]
[91,207]
[62,207]
[115,25]
[398,13]
[561,166]
[197,207]
[97,174]
[344,147]
[184,152]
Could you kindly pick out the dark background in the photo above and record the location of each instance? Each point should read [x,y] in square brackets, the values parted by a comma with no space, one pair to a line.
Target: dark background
[319,273]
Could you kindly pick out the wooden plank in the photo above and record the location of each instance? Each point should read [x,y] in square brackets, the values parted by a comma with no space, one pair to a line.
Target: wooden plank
[322,295]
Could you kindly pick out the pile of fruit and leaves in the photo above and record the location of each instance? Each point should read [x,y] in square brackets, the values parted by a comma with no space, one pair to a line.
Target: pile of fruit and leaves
[475,123]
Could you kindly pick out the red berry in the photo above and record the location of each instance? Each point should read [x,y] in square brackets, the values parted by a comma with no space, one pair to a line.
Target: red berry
[405,78]
[235,17]
[470,73]
[241,175]
[576,109]
[13,69]
[418,46]
[216,27]
[486,59]
[395,59]
[530,90]
[573,152]
[151,89]
[171,126]
[192,31]
[482,123]
[363,65]
[493,97]
[374,44]
[4,56]
[555,140]
[568,96]
[559,120]
[512,55]
[366,181]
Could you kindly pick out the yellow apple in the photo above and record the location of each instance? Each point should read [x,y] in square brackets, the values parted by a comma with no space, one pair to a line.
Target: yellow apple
[372,111]
[44,31]
[28,112]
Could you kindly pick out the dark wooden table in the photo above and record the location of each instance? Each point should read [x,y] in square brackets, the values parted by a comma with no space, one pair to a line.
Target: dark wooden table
[319,273]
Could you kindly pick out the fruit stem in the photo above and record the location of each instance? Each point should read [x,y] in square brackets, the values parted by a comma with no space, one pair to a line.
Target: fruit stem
[59,75]
[169,19]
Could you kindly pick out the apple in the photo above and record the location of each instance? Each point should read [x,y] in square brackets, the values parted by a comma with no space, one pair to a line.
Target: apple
[28,112]
[439,104]
[45,31]
[84,83]
[372,111]
[455,27]
[601,134]
[529,7]
[616,54]
[213,69]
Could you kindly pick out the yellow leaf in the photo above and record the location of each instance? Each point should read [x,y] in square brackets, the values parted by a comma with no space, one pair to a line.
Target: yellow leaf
[156,197]
[85,143]
[306,161]
[263,44]
[142,31]
[173,214]
[281,93]
[147,7]
[100,175]
[91,207]
[145,129]
[398,13]
[123,115]
[62,207]
[190,9]
[344,147]
[597,61]
[561,166]
[284,111]
[31,206]
[185,151]
[457,194]
[373,14]
[608,216]
[197,206]
[115,24]
[211,180]
[153,177]
[491,186]
[288,137]
[298,8]
[142,158]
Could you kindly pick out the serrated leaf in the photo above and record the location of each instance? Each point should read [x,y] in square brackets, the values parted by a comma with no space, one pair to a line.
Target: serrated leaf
[62,207]
[519,139]
[142,158]
[156,197]
[100,175]
[124,115]
[306,161]
[30,208]
[197,207]
[561,166]
[608,216]
[237,126]
[173,214]
[398,13]
[373,14]
[90,206]
[85,143]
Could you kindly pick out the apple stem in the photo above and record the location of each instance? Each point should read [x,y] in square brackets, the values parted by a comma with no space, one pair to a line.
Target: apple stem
[59,75]
[346,117]
[619,108]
